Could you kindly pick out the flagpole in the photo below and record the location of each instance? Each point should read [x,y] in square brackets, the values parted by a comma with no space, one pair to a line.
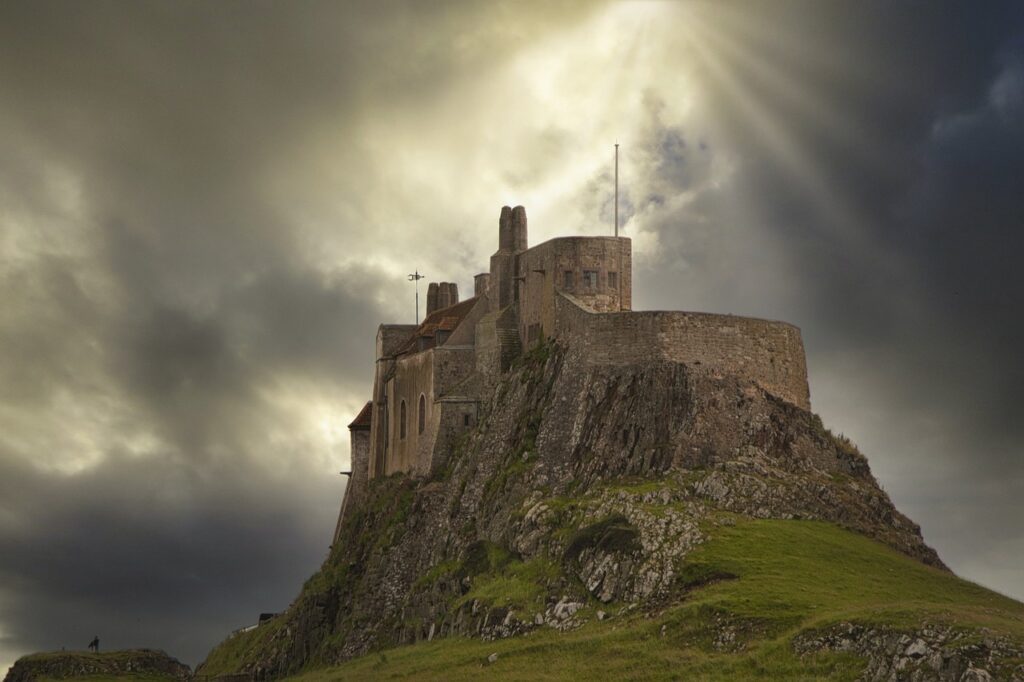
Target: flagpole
[616,189]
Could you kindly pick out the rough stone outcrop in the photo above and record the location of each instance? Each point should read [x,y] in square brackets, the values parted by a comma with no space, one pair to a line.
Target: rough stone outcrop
[933,652]
[595,480]
[62,665]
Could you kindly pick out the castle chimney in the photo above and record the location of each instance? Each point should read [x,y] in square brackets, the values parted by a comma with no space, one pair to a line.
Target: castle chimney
[518,229]
[432,294]
[453,293]
[511,240]
[506,240]
[444,295]
[480,283]
[440,295]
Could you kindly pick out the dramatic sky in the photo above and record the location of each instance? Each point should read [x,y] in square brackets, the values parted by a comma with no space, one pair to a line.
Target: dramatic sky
[206,208]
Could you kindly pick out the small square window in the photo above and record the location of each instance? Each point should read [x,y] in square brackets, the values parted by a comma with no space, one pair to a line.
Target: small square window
[613,280]
[590,279]
[465,420]
[568,279]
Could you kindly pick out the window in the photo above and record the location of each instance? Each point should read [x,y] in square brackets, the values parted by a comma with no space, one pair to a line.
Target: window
[401,421]
[590,279]
[613,280]
[423,414]
[465,420]
[568,279]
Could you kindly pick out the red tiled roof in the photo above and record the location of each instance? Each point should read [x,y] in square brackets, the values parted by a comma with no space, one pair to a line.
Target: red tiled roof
[445,319]
[363,419]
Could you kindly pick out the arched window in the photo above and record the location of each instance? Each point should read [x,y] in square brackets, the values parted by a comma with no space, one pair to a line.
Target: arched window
[423,413]
[401,423]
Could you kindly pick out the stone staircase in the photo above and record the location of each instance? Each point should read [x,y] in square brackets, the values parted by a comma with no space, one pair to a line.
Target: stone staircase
[508,338]
[497,341]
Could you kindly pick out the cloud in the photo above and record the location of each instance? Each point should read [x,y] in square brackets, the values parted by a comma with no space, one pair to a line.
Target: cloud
[206,209]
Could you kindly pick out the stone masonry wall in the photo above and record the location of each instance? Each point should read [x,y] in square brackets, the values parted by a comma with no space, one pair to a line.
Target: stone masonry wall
[545,268]
[390,337]
[451,366]
[355,489]
[769,353]
[465,333]
[414,376]
[432,374]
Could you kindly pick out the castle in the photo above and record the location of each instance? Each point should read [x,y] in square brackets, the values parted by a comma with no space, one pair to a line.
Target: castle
[430,378]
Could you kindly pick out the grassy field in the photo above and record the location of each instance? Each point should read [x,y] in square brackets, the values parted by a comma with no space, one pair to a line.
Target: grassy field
[771,580]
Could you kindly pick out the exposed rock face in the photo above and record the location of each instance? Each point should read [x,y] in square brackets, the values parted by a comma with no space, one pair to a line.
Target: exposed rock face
[66,665]
[596,481]
[937,653]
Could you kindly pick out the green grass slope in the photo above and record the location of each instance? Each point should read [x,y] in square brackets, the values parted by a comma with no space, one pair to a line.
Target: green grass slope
[755,585]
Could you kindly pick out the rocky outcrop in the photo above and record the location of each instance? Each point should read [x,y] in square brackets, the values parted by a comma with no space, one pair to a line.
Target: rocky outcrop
[62,665]
[933,652]
[583,485]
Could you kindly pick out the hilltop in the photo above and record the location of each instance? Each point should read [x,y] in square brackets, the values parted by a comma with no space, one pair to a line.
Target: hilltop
[134,665]
[745,541]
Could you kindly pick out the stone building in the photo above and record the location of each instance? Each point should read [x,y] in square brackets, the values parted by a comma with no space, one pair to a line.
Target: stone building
[430,378]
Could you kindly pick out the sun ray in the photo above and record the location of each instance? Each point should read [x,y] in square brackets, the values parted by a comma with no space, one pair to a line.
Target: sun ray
[801,102]
[838,216]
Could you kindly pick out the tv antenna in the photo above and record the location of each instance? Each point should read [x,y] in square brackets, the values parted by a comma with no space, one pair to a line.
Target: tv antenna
[416,277]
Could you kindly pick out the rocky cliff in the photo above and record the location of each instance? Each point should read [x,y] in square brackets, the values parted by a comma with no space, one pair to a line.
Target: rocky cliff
[584,491]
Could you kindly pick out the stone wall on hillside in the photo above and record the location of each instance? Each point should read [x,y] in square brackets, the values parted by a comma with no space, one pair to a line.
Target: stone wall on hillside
[766,352]
[596,271]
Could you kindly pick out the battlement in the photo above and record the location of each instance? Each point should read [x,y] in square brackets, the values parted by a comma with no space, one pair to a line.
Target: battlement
[767,352]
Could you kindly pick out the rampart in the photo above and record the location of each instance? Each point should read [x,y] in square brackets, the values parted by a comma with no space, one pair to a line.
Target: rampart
[767,352]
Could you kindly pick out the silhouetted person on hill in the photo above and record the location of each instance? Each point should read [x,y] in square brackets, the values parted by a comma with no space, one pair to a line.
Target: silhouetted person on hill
[94,645]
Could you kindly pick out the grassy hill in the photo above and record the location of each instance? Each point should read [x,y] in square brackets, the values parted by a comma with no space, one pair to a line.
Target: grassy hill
[760,590]
[633,522]
[131,665]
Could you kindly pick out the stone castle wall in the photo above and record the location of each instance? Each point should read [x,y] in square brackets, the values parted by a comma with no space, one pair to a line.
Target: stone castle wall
[494,346]
[431,374]
[465,334]
[597,271]
[767,352]
[574,289]
[390,338]
[414,377]
[355,489]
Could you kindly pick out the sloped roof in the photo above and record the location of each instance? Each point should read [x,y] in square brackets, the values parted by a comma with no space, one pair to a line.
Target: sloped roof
[445,319]
[363,419]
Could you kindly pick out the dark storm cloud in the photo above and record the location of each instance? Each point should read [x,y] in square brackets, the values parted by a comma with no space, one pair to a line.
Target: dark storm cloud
[906,282]
[179,305]
[182,340]
[137,547]
[206,208]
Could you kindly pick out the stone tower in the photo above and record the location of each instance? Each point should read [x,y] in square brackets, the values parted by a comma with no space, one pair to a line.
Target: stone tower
[511,242]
